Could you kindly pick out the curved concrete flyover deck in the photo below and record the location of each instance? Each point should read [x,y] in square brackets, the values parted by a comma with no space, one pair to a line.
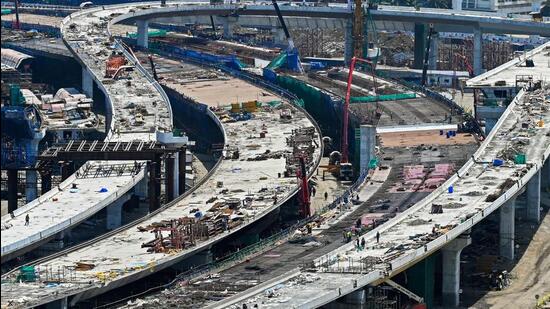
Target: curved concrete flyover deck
[479,189]
[87,36]
[444,20]
[119,257]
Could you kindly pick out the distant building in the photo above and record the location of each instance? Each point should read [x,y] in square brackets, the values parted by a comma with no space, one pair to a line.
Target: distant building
[502,6]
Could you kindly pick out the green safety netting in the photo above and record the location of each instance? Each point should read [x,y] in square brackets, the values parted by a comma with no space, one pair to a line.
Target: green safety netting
[26,274]
[278,62]
[6,11]
[273,103]
[300,103]
[373,163]
[384,97]
[152,33]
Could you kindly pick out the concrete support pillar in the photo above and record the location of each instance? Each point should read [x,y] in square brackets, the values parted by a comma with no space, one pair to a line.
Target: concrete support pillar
[507,229]
[140,189]
[87,83]
[143,33]
[457,5]
[152,186]
[46,181]
[478,51]
[114,214]
[170,172]
[358,297]
[182,160]
[229,26]
[419,45]
[348,43]
[278,34]
[31,176]
[434,52]
[31,189]
[545,175]
[12,190]
[451,271]
[533,198]
[67,169]
[367,146]
[58,304]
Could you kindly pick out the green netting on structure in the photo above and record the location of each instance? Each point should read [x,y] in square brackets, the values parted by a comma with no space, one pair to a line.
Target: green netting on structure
[373,163]
[384,97]
[26,274]
[300,103]
[6,11]
[152,34]
[278,62]
[273,103]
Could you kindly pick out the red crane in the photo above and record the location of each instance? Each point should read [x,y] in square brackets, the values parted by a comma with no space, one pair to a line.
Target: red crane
[345,112]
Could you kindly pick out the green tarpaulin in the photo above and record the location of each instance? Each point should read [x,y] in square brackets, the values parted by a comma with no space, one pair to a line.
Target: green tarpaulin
[384,97]
[277,62]
[152,33]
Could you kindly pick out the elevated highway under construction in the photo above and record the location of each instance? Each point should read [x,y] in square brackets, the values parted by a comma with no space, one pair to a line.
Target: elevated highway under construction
[267,142]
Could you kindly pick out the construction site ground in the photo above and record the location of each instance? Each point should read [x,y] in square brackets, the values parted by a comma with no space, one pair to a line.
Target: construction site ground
[288,255]
[530,271]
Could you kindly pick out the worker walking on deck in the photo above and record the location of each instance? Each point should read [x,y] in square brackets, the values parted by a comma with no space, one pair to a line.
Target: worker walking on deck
[27,219]
[377,237]
[363,243]
[326,196]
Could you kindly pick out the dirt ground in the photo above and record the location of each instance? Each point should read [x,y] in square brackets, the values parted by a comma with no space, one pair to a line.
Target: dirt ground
[531,274]
[431,137]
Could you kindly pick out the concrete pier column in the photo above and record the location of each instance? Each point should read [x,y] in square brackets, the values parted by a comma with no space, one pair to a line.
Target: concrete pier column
[457,5]
[140,189]
[46,179]
[229,26]
[152,186]
[358,297]
[507,229]
[31,189]
[170,172]
[31,176]
[12,190]
[545,175]
[451,270]
[434,52]
[348,43]
[278,35]
[143,33]
[114,214]
[58,304]
[367,146]
[478,51]
[87,83]
[419,45]
[182,160]
[533,198]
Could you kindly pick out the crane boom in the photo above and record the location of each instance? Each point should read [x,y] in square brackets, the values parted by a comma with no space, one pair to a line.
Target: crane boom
[283,24]
[345,112]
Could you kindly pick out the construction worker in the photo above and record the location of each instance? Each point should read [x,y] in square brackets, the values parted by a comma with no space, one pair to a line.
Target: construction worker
[344,235]
[357,244]
[313,191]
[27,219]
[363,243]
[349,236]
[326,196]
[377,237]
